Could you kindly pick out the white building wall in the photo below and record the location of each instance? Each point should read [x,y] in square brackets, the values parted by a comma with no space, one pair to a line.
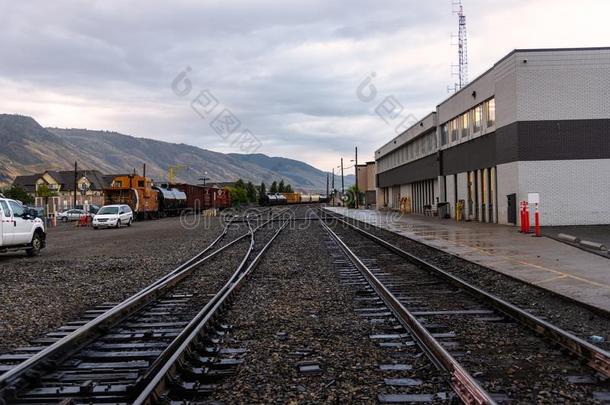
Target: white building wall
[450,195]
[508,183]
[462,186]
[572,192]
[563,85]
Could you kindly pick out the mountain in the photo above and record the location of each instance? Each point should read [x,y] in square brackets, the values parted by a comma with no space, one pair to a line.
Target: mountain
[29,148]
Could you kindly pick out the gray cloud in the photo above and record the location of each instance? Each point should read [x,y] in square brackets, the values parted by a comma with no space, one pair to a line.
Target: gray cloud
[289,70]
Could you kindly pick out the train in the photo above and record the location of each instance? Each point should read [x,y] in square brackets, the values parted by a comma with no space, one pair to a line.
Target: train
[154,201]
[292,198]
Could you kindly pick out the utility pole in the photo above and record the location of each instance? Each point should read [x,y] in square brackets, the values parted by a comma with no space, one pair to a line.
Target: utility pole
[332,180]
[342,185]
[75,183]
[327,195]
[357,189]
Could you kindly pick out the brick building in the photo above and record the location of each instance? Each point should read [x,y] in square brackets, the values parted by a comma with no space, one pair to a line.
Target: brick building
[536,122]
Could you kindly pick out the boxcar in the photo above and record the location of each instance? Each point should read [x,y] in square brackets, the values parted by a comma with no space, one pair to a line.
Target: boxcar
[292,198]
[200,198]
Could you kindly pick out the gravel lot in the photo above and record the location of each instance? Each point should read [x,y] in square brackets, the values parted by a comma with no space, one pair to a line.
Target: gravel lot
[81,268]
[294,309]
[561,312]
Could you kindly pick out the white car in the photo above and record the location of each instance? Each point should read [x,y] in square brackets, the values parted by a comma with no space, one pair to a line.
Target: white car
[20,228]
[113,215]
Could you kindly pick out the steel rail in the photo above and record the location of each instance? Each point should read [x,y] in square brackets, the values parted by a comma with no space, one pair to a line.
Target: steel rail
[168,364]
[64,347]
[596,358]
[464,385]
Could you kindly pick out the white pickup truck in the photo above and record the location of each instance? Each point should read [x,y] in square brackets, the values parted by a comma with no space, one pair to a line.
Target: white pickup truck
[20,229]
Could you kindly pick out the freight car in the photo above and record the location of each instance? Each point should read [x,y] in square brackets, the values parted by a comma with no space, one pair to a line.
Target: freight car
[292,198]
[273,199]
[200,198]
[135,191]
[171,201]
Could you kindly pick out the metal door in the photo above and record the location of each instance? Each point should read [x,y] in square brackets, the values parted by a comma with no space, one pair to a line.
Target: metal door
[512,209]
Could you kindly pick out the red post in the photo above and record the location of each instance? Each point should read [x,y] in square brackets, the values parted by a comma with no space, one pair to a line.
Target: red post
[527,218]
[537,222]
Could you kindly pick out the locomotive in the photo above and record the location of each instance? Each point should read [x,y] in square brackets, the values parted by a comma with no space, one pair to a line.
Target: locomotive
[150,201]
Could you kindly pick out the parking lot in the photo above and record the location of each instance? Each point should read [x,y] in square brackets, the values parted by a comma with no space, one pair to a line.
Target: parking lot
[81,268]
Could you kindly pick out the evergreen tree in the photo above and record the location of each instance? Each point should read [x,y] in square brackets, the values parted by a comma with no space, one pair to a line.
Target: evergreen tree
[280,187]
[262,190]
[288,189]
[273,188]
[251,192]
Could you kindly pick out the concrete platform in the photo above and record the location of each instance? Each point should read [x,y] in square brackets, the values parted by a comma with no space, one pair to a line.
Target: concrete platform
[545,262]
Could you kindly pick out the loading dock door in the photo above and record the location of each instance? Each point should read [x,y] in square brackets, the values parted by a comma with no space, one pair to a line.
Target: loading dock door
[512,209]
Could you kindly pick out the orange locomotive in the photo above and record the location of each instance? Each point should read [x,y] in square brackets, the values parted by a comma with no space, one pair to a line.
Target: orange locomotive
[135,191]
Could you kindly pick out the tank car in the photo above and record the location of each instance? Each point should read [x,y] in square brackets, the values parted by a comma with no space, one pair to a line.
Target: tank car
[171,201]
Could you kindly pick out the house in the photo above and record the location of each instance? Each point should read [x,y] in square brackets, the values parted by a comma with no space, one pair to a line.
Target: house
[89,188]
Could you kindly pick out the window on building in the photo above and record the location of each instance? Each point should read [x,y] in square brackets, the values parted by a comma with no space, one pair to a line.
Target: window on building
[454,130]
[490,111]
[478,116]
[465,124]
[140,183]
[444,134]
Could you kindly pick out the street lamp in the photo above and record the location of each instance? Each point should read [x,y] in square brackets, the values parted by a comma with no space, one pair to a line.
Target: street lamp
[204,178]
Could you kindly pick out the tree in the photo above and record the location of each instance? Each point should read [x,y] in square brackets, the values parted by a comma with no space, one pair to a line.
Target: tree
[280,187]
[238,195]
[273,188]
[262,190]
[288,189]
[45,192]
[352,194]
[16,192]
[240,184]
[251,192]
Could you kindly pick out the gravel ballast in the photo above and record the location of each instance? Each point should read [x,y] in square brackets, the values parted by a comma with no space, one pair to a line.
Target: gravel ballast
[562,312]
[81,268]
[305,341]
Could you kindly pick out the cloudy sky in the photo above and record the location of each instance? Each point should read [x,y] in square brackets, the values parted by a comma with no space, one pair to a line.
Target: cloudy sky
[288,70]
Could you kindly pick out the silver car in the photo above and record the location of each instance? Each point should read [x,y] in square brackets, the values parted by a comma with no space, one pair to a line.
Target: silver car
[71,215]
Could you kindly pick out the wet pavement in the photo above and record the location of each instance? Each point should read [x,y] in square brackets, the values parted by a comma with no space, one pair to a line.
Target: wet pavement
[545,262]
[592,233]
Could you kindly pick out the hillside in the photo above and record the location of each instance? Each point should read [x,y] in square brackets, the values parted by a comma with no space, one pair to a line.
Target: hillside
[29,148]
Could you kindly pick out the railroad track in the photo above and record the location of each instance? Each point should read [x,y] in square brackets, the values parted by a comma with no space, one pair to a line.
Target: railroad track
[135,351]
[493,351]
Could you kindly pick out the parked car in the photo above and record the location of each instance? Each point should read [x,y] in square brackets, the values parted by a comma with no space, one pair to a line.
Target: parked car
[20,228]
[92,209]
[114,215]
[71,215]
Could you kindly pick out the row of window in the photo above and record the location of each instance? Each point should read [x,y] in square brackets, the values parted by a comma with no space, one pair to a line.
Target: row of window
[472,120]
[412,151]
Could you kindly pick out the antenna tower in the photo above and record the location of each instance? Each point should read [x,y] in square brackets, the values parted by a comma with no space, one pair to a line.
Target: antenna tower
[462,37]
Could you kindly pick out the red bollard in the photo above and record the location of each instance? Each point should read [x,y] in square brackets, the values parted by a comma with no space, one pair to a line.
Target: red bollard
[528,228]
[537,222]
[521,211]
